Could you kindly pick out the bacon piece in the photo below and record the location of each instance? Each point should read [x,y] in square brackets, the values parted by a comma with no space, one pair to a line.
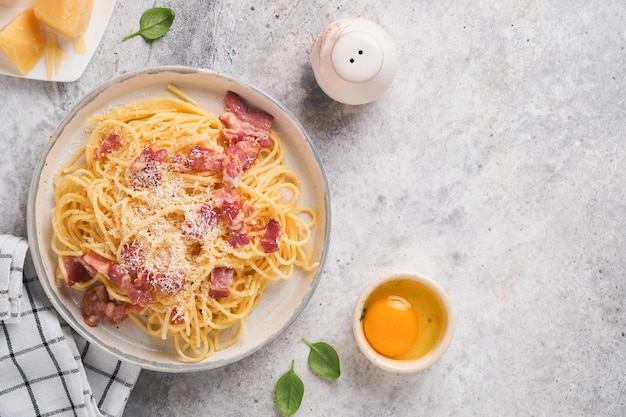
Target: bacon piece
[228,201]
[170,281]
[221,280]
[109,144]
[145,171]
[117,274]
[238,238]
[247,132]
[201,223]
[139,296]
[94,300]
[133,258]
[76,271]
[82,268]
[269,241]
[243,124]
[238,158]
[98,306]
[176,317]
[204,160]
[95,263]
[138,291]
[114,313]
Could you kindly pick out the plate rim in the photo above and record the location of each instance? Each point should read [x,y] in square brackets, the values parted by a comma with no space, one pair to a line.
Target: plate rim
[36,250]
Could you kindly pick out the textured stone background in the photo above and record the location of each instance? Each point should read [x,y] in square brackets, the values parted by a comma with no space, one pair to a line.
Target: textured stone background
[494,164]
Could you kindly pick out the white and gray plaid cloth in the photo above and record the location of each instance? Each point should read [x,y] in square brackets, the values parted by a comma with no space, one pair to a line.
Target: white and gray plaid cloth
[46,369]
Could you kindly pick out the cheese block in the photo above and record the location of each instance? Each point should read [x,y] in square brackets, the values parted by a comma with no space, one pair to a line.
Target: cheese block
[22,41]
[67,17]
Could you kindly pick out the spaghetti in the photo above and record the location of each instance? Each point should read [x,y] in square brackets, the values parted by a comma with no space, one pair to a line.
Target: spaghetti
[178,219]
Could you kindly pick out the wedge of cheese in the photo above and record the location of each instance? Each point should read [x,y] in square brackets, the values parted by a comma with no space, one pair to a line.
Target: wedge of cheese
[67,17]
[22,41]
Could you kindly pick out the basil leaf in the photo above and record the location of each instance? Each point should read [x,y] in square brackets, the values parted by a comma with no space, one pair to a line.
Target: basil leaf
[154,23]
[289,392]
[323,359]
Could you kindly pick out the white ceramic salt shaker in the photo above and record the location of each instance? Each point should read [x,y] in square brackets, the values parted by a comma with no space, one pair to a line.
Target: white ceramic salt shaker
[354,61]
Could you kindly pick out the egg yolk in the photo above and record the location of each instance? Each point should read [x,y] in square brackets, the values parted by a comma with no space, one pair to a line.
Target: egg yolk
[390,325]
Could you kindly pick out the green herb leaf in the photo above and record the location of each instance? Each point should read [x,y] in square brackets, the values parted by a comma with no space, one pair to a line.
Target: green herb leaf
[154,23]
[323,359]
[289,392]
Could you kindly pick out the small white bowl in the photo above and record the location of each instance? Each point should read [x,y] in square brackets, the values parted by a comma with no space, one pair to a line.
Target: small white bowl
[396,365]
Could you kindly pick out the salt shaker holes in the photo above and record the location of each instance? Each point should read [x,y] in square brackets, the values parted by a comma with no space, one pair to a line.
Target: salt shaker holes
[352,59]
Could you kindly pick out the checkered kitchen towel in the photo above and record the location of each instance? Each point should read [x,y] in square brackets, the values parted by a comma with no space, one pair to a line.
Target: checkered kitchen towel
[46,369]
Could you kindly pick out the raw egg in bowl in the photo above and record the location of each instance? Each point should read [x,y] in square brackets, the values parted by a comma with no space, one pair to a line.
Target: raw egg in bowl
[403,322]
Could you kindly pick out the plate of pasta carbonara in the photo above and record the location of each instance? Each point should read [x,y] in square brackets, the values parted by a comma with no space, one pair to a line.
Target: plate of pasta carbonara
[179,219]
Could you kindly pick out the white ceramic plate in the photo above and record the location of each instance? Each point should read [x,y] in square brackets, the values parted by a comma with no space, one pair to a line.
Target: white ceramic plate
[281,302]
[74,64]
